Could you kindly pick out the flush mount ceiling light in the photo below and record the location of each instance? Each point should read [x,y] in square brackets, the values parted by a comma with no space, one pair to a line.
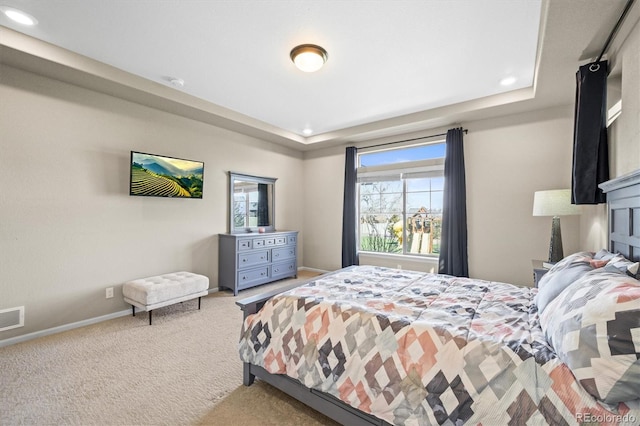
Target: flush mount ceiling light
[18,16]
[308,57]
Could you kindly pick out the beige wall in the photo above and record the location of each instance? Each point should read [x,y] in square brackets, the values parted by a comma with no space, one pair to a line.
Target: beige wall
[507,160]
[624,135]
[625,132]
[69,229]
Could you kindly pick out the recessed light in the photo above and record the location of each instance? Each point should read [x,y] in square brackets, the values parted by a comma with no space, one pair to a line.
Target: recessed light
[176,82]
[18,16]
[307,132]
[508,81]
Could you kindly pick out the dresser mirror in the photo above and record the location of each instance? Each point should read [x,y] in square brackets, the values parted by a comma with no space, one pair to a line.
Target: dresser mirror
[252,203]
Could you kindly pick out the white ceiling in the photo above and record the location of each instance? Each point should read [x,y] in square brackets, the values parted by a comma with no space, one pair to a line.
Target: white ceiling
[394,66]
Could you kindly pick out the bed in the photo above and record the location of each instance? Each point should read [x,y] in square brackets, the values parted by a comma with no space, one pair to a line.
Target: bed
[371,345]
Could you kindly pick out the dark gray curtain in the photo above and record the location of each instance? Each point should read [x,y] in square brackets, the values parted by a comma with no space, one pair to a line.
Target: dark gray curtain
[349,219]
[590,145]
[453,245]
[263,204]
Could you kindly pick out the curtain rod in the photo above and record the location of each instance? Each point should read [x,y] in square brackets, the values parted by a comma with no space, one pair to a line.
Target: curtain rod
[615,29]
[408,140]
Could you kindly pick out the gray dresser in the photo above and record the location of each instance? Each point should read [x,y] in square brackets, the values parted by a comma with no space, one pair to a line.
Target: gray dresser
[248,260]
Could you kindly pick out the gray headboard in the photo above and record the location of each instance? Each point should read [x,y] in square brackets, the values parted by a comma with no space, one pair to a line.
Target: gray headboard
[623,200]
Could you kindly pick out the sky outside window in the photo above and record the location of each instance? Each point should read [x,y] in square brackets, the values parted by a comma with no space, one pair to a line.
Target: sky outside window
[402,155]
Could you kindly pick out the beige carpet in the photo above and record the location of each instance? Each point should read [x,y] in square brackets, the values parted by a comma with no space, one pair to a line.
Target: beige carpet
[262,404]
[182,370]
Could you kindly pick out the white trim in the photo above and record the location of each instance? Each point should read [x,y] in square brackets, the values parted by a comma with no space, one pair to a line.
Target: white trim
[61,328]
[66,327]
[305,268]
[614,112]
[396,256]
[399,261]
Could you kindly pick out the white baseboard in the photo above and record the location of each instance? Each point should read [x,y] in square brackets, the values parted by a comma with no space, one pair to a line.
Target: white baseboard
[320,271]
[71,326]
[61,328]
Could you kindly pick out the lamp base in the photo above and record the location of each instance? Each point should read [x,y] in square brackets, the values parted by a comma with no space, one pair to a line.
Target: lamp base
[555,246]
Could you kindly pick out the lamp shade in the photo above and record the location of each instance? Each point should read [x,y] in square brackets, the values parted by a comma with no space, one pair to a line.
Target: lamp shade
[555,202]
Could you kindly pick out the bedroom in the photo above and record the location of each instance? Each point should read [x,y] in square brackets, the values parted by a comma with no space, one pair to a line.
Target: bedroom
[71,235]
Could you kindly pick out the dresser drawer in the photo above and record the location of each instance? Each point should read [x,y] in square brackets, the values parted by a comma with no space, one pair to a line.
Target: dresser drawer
[254,258]
[283,269]
[264,242]
[292,239]
[281,240]
[244,244]
[252,276]
[283,253]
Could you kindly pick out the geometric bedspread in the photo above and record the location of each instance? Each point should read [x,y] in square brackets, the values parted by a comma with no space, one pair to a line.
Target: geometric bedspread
[414,348]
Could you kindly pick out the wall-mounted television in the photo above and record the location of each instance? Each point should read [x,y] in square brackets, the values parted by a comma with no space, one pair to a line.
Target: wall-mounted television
[159,176]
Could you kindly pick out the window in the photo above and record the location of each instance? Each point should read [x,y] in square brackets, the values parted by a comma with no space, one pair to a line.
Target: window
[400,195]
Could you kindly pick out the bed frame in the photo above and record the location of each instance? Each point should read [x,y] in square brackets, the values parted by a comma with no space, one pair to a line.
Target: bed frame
[623,201]
[324,403]
[623,206]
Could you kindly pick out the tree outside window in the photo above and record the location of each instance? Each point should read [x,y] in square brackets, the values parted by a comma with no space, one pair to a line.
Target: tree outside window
[400,207]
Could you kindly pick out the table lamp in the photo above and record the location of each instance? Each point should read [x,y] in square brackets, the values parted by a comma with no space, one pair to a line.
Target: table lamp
[556,203]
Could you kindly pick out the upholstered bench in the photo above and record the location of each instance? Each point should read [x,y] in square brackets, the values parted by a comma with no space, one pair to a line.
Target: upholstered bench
[163,290]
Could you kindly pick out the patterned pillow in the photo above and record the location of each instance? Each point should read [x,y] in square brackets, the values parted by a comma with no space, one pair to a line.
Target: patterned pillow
[561,275]
[621,264]
[604,254]
[594,326]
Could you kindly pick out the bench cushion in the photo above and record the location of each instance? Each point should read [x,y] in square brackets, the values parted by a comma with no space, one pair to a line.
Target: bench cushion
[165,289]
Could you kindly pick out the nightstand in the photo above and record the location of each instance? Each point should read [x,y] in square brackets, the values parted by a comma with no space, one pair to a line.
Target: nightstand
[538,270]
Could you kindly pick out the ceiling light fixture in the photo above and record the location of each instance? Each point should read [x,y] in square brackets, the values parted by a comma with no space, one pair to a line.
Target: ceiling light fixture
[307,132]
[308,57]
[18,16]
[176,82]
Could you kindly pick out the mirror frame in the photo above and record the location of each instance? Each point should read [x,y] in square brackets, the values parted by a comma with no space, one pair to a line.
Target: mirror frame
[233,177]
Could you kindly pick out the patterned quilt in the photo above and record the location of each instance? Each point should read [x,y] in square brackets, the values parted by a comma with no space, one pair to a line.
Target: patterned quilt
[422,349]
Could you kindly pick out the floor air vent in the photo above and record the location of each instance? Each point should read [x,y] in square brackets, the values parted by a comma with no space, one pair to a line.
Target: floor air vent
[11,318]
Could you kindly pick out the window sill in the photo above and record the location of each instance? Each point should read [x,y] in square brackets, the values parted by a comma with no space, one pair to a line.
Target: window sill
[400,261]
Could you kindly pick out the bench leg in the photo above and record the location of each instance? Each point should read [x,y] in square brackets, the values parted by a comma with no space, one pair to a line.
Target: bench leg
[150,316]
[133,308]
[199,298]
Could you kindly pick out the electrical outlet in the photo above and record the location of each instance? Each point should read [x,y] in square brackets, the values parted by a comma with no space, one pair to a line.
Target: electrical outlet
[109,292]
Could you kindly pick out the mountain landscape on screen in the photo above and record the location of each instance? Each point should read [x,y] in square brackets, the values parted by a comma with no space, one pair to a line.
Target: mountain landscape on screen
[160,176]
